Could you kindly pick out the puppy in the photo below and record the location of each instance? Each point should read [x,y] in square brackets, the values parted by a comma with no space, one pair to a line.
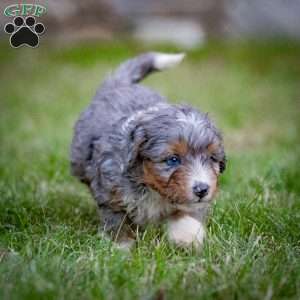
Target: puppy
[145,160]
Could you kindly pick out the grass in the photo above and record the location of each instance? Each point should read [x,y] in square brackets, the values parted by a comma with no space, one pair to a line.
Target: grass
[50,247]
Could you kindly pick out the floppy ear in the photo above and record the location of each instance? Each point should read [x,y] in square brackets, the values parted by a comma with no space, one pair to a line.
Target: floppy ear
[223,164]
[137,136]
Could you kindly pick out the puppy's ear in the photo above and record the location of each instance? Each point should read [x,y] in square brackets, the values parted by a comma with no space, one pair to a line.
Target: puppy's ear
[223,164]
[137,138]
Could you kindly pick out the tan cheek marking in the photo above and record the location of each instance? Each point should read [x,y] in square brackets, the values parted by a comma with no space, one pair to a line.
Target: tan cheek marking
[152,179]
[178,186]
[174,189]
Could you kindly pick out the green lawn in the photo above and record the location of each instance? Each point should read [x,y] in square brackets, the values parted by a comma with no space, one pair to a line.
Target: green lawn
[50,247]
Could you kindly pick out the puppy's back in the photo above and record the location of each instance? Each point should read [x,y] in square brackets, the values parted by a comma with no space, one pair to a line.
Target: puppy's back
[118,97]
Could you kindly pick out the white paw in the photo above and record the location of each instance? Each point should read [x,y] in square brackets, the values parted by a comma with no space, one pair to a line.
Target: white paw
[186,232]
[125,245]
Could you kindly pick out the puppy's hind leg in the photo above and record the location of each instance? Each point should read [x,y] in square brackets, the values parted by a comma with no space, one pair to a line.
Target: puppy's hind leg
[117,226]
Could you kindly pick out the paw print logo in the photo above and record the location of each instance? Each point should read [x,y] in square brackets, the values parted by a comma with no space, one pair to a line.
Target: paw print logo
[24,32]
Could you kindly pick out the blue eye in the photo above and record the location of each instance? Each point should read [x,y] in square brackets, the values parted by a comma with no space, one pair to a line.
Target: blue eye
[173,161]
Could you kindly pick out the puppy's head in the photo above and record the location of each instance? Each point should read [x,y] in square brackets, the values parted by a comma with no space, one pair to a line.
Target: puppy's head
[180,153]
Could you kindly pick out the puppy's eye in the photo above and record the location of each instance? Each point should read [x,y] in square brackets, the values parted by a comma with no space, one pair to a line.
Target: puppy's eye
[173,161]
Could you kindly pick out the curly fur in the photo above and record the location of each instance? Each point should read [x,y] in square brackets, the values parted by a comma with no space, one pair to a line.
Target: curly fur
[121,142]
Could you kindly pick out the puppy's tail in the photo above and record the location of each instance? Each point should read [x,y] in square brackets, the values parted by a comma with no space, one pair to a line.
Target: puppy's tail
[136,69]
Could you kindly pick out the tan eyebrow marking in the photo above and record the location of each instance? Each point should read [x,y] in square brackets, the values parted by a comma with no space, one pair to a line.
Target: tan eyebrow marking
[180,148]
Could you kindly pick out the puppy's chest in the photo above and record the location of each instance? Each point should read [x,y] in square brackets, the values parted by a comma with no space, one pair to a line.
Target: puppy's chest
[148,208]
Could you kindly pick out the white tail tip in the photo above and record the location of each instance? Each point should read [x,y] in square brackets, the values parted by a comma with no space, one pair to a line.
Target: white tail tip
[164,61]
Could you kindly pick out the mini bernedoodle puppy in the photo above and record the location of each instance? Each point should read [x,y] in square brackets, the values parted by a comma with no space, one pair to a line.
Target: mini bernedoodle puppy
[145,160]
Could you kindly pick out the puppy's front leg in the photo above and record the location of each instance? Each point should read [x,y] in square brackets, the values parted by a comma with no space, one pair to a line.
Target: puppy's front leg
[186,231]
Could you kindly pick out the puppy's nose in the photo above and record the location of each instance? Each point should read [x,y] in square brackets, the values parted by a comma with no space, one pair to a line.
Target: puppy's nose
[200,189]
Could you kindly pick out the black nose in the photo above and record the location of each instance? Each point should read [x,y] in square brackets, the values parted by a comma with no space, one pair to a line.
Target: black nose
[200,189]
